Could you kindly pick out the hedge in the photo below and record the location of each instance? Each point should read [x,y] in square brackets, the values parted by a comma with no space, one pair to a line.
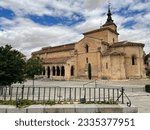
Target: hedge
[147,88]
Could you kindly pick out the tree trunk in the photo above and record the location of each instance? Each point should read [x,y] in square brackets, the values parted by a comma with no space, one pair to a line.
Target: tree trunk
[1,90]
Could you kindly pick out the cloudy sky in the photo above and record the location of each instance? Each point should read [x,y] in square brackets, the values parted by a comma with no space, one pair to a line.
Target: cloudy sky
[29,25]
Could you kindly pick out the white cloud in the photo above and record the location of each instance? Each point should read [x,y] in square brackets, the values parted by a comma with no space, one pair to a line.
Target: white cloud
[27,36]
[137,5]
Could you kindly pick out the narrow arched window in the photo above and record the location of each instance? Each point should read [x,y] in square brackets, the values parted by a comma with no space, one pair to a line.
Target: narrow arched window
[87,60]
[87,48]
[134,60]
[72,70]
[48,72]
[58,71]
[62,71]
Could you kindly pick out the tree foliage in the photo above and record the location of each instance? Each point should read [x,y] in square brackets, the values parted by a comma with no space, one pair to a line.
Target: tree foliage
[147,66]
[12,63]
[33,67]
[146,58]
[148,72]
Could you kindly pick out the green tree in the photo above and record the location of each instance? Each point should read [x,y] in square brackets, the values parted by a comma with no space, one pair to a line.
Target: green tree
[147,66]
[146,58]
[33,67]
[148,72]
[12,63]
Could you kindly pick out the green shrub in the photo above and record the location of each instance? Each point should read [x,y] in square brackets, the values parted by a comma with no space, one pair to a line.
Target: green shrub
[7,102]
[24,103]
[65,102]
[101,102]
[148,72]
[147,88]
[50,102]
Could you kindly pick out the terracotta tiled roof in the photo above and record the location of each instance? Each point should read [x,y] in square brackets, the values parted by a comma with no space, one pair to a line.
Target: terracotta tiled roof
[105,43]
[125,43]
[65,47]
[107,24]
[57,60]
[101,29]
[112,53]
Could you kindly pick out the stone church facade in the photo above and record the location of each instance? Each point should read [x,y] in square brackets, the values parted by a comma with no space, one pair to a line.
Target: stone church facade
[108,57]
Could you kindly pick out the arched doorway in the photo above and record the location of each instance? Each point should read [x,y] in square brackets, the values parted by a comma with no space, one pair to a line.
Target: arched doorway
[48,72]
[62,71]
[58,71]
[53,70]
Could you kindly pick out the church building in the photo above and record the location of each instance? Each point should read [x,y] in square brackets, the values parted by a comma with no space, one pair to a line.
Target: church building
[99,54]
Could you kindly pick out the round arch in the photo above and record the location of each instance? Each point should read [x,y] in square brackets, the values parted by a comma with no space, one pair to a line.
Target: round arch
[48,72]
[58,71]
[53,70]
[62,71]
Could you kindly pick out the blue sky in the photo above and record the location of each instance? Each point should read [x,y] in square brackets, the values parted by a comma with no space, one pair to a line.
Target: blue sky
[29,25]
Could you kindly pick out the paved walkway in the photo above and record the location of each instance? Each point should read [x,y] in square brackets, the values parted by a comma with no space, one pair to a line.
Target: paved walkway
[140,100]
[134,89]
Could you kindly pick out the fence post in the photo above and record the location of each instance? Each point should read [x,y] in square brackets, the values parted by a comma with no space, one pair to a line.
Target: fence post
[113,95]
[89,94]
[44,95]
[70,94]
[59,93]
[39,94]
[65,94]
[118,93]
[11,93]
[17,94]
[22,91]
[54,93]
[74,94]
[122,94]
[99,94]
[33,89]
[94,95]
[28,93]
[49,94]
[104,94]
[5,93]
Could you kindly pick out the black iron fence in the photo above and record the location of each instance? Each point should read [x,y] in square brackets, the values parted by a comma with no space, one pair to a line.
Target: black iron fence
[69,94]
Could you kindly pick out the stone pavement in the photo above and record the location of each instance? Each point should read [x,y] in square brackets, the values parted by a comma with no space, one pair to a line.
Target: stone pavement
[134,89]
[70,108]
[140,100]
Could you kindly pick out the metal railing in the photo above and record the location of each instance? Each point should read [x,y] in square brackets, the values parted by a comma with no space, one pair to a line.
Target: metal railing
[55,93]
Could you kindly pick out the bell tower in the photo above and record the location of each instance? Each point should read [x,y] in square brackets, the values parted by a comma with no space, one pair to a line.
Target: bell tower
[112,27]
[109,18]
